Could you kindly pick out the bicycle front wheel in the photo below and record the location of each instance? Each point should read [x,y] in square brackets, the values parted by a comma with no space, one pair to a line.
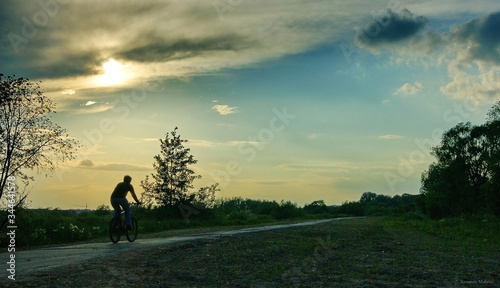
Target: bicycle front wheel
[132,234]
[114,230]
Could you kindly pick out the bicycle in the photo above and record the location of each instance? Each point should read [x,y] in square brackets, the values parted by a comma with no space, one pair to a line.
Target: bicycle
[117,228]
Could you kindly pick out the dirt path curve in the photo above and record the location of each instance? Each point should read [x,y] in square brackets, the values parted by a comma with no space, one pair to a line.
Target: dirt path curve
[32,261]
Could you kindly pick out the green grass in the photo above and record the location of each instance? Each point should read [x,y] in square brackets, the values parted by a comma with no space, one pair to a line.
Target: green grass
[368,252]
[469,230]
[371,252]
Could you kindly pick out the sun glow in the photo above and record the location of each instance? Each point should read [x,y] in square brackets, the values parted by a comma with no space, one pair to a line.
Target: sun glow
[114,73]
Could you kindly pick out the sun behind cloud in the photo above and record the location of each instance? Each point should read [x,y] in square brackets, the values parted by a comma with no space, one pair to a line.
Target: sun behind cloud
[114,73]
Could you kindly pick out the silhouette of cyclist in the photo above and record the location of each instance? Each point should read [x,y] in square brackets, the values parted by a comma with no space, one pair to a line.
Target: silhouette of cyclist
[119,199]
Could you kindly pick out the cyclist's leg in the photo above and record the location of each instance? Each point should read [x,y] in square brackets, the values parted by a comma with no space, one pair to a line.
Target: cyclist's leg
[123,202]
[115,202]
[128,215]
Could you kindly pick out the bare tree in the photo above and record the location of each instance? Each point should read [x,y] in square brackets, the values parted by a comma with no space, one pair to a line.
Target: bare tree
[28,137]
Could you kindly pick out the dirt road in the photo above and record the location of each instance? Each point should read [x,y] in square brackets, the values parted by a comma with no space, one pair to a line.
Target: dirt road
[44,260]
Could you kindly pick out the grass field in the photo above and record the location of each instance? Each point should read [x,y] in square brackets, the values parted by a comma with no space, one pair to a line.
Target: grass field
[369,252]
[359,253]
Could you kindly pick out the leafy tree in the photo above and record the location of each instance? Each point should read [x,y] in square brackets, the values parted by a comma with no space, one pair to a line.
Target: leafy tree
[494,113]
[28,137]
[351,208]
[367,197]
[205,196]
[171,184]
[316,207]
[226,205]
[261,207]
[102,210]
[466,176]
[286,210]
[492,188]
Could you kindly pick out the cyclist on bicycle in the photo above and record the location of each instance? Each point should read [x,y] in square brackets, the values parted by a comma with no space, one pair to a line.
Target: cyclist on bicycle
[119,199]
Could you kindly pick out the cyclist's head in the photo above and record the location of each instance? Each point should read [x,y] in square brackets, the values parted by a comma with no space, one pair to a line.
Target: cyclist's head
[127,179]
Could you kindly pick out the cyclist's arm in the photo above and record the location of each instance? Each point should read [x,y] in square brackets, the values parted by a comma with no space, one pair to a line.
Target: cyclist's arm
[133,194]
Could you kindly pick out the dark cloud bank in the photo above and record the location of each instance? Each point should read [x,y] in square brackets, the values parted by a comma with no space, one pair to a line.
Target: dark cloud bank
[477,39]
[389,28]
[163,50]
[484,35]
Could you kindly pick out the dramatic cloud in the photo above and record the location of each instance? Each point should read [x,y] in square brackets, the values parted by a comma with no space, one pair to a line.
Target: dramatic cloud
[160,39]
[475,66]
[70,44]
[471,51]
[480,39]
[164,50]
[390,28]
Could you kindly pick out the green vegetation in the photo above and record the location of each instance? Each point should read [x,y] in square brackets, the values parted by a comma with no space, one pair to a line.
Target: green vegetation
[37,227]
[369,252]
[173,179]
[466,175]
[459,197]
[472,230]
[54,226]
[28,137]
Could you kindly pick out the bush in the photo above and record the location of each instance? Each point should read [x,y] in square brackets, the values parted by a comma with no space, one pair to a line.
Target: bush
[316,207]
[103,210]
[240,216]
[413,215]
[286,210]
[351,208]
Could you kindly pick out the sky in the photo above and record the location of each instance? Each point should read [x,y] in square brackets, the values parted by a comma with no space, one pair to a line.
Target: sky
[279,100]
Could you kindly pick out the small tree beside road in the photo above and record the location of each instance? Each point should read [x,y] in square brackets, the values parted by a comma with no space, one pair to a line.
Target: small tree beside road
[170,185]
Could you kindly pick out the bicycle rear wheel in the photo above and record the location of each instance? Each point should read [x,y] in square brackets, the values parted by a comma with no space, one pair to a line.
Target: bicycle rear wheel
[115,229]
[132,234]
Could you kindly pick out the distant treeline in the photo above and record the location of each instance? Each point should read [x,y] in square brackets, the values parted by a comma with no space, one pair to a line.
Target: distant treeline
[371,204]
[55,226]
[234,211]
